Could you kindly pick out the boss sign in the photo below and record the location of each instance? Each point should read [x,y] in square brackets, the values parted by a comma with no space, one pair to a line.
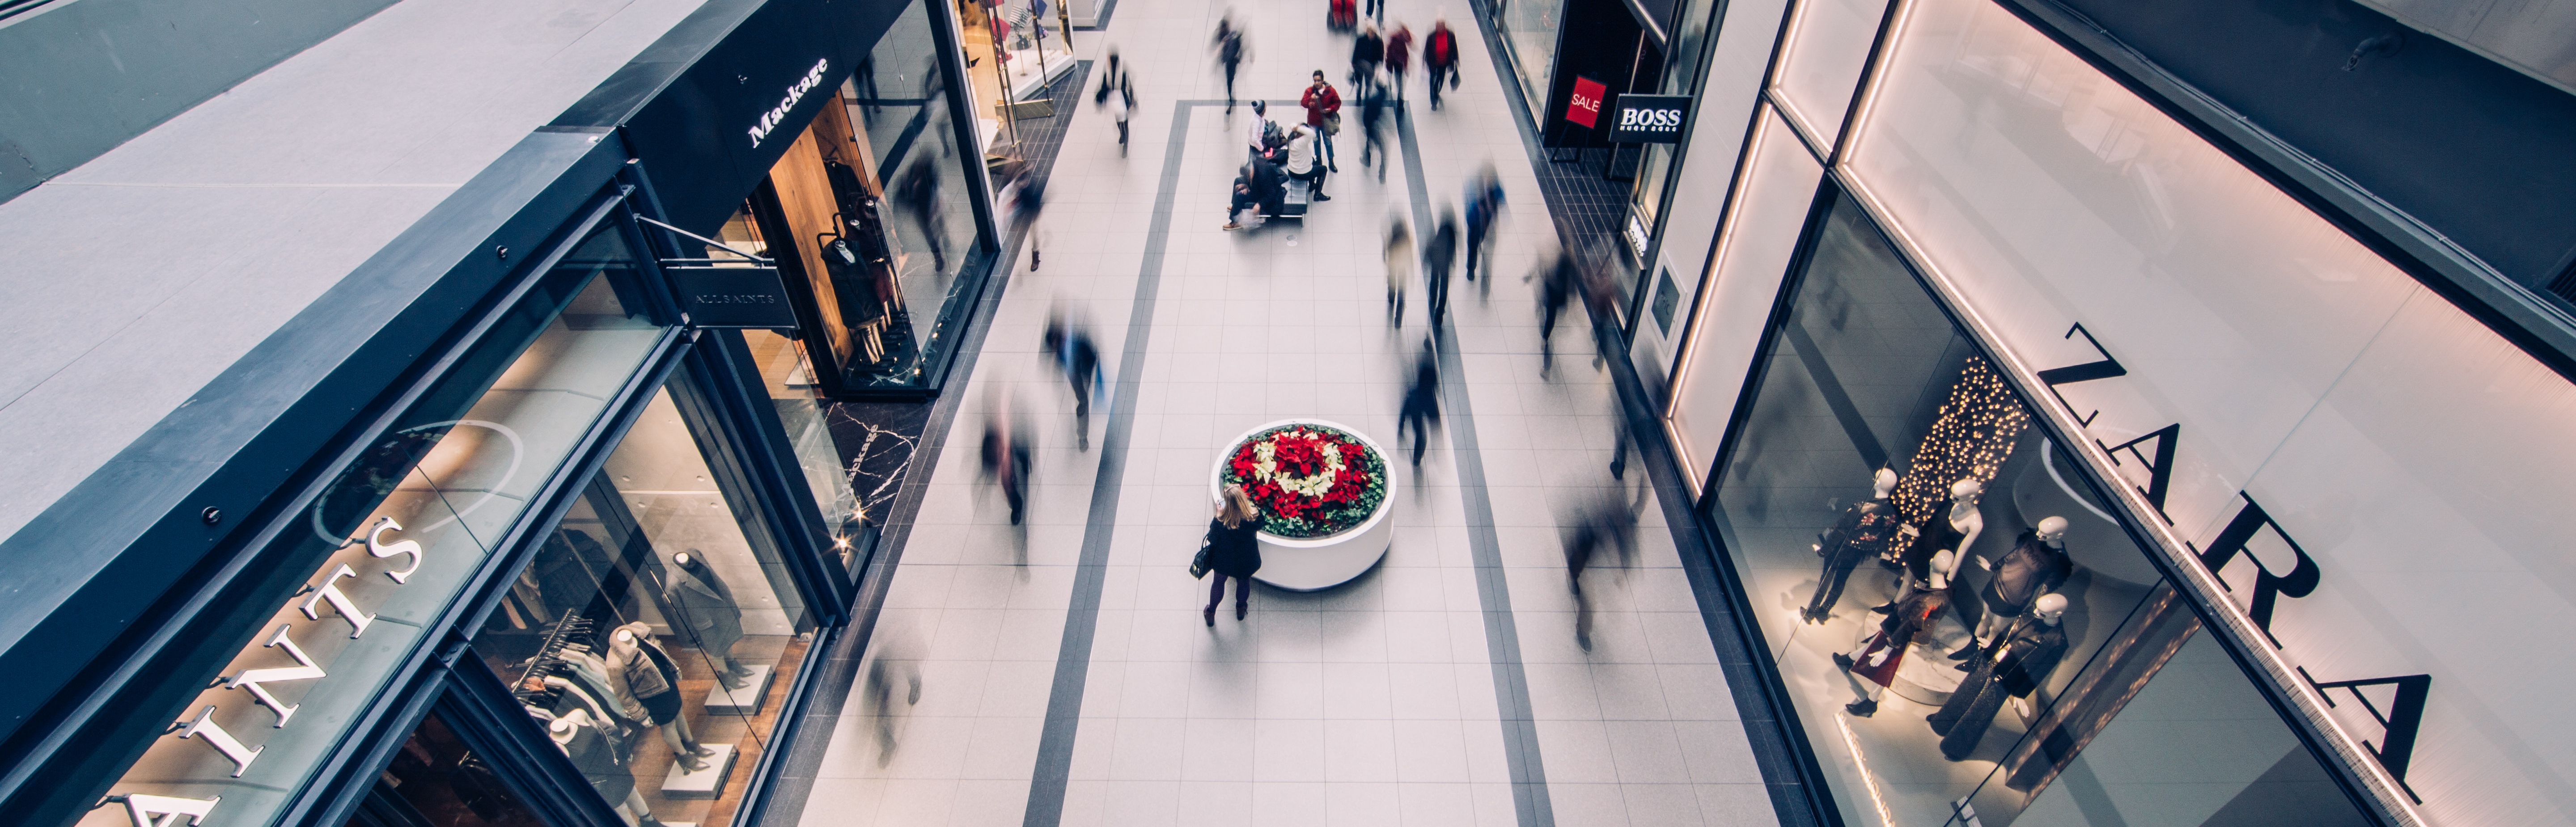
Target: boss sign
[1649,119]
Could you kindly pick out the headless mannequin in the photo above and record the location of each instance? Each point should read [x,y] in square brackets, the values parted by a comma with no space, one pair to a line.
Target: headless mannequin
[627,656]
[1864,531]
[1963,520]
[2013,668]
[580,738]
[2051,534]
[712,617]
[1879,656]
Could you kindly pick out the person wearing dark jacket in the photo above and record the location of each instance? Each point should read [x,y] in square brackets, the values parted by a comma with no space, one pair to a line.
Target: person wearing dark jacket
[1399,57]
[1437,256]
[1234,550]
[1367,51]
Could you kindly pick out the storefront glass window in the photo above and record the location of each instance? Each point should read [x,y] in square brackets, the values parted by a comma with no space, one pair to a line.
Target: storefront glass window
[657,631]
[1966,629]
[1030,55]
[1529,30]
[435,780]
[394,538]
[924,206]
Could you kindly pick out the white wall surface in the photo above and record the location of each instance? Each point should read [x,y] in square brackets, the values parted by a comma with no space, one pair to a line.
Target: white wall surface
[1760,236]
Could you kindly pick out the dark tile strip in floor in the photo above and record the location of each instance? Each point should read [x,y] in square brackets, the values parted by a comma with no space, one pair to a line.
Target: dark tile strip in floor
[1530,800]
[1082,612]
[1770,723]
[794,785]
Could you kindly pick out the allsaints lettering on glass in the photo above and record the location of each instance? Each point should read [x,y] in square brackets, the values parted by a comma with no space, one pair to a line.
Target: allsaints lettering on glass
[770,119]
[315,599]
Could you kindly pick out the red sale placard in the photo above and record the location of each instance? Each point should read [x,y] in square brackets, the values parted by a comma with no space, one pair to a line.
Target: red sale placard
[1586,108]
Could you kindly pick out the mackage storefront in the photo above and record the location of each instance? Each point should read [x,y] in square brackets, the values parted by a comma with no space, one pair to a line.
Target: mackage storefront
[574,557]
[2072,472]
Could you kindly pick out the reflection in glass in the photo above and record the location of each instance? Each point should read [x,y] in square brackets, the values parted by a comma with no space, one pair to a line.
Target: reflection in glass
[1529,28]
[390,541]
[1966,629]
[924,208]
[435,780]
[656,632]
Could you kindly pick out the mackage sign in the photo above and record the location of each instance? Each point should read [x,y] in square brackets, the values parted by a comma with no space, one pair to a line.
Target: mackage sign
[773,116]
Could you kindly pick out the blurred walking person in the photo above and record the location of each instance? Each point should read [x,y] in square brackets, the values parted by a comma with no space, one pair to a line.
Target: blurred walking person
[1440,61]
[1006,460]
[1025,195]
[1599,526]
[1484,204]
[1231,52]
[1437,258]
[1234,550]
[919,189]
[1399,56]
[1367,51]
[1070,345]
[1557,285]
[1421,408]
[1374,122]
[1399,266]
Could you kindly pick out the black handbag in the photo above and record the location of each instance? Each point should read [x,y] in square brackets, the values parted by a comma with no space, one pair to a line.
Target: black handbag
[1199,564]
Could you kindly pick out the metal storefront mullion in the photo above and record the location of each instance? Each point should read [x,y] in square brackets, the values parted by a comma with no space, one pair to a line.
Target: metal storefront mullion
[479,707]
[756,444]
[790,725]
[2201,599]
[979,185]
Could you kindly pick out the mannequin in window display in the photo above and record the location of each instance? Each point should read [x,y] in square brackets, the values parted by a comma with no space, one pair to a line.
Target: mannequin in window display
[2037,565]
[602,760]
[1953,528]
[1911,623]
[2013,667]
[710,619]
[1862,533]
[648,684]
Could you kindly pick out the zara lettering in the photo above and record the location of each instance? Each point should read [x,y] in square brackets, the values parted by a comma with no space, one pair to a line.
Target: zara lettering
[2155,451]
[313,601]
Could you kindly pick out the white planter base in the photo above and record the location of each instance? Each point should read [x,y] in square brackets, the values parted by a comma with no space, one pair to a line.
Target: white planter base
[1323,562]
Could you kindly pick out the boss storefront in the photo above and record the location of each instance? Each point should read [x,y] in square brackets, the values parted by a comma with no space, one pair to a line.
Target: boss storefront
[2073,473]
[577,563]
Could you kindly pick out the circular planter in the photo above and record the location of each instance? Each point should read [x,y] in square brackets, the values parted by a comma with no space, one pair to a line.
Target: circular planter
[1306,564]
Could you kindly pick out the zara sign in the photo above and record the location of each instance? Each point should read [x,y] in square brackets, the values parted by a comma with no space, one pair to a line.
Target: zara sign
[1649,119]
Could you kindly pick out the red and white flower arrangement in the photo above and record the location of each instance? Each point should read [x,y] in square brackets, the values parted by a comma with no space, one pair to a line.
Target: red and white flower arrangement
[1309,480]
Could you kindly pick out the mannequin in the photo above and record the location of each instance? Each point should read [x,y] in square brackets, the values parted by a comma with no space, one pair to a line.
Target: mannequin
[1862,533]
[648,683]
[2037,565]
[2014,667]
[710,618]
[1911,623]
[1954,527]
[596,755]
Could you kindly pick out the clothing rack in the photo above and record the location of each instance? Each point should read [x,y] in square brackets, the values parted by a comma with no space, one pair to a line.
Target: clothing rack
[549,658]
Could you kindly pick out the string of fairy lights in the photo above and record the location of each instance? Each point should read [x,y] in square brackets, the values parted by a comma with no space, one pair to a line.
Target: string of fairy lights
[1971,438]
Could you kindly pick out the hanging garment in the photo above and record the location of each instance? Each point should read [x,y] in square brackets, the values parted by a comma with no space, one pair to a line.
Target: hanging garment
[2014,667]
[2033,568]
[598,761]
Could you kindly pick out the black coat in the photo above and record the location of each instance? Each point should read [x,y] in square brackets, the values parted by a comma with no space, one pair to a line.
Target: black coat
[1234,552]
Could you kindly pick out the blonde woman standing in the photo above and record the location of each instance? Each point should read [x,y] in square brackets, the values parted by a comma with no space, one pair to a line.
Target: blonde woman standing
[1233,550]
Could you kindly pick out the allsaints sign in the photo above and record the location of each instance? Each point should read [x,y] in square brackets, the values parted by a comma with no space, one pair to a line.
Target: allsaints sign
[775,115]
[288,663]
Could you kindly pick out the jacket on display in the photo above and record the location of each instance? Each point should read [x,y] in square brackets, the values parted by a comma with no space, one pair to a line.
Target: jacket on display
[1912,622]
[2013,667]
[1938,535]
[709,616]
[2034,567]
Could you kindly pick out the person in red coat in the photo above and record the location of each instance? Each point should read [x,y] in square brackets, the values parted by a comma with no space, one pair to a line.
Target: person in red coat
[1399,56]
[1440,58]
[1320,100]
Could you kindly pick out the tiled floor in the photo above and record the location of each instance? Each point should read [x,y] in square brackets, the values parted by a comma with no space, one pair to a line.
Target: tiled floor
[1417,694]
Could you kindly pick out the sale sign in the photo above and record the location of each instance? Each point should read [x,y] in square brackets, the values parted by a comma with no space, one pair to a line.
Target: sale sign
[1586,107]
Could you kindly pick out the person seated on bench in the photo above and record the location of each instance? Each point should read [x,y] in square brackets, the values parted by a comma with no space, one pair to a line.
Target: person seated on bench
[1302,163]
[1257,185]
